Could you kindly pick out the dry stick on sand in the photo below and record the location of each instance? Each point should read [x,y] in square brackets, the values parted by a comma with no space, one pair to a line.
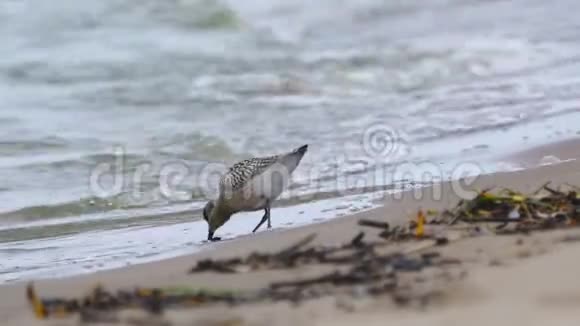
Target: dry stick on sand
[374,224]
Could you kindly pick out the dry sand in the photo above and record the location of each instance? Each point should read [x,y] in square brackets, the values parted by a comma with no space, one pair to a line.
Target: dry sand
[511,280]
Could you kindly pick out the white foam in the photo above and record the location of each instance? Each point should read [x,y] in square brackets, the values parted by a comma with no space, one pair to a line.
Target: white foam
[92,251]
[553,160]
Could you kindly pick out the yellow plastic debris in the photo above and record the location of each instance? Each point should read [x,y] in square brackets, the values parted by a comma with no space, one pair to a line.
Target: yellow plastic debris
[37,305]
[420,229]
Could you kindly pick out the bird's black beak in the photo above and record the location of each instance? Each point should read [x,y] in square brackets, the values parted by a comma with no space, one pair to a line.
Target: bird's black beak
[210,237]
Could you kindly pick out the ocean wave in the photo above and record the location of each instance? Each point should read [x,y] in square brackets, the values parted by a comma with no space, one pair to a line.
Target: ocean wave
[412,66]
[25,250]
[401,67]
[257,84]
[17,147]
[86,206]
[70,161]
[18,230]
[201,14]
[195,146]
[196,14]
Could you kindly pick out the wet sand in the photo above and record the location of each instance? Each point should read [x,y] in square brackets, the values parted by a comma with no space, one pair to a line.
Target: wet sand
[509,280]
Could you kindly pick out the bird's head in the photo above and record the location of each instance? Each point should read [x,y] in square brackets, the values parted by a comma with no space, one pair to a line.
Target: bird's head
[215,218]
[208,209]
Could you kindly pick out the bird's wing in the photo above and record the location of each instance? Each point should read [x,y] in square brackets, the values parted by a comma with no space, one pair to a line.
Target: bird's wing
[242,172]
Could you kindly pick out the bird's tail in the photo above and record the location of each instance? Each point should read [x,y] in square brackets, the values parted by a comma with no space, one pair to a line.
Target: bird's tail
[292,159]
[302,149]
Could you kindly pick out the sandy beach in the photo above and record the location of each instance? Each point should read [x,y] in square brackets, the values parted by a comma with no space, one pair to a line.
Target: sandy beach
[508,280]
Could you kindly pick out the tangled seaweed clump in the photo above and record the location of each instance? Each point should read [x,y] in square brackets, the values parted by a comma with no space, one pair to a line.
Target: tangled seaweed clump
[513,212]
[502,213]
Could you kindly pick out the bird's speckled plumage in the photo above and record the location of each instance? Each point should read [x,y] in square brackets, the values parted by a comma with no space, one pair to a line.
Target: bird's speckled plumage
[251,185]
[243,171]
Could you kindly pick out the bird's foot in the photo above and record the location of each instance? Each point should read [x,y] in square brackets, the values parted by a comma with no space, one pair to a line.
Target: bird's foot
[210,237]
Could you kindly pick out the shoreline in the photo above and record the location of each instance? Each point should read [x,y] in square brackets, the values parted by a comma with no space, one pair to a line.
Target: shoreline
[173,271]
[82,251]
[173,240]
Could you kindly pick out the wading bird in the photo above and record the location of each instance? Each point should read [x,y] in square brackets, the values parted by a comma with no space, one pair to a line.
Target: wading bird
[251,185]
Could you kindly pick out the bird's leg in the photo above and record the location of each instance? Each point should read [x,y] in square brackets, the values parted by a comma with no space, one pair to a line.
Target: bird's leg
[210,237]
[265,218]
[268,212]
